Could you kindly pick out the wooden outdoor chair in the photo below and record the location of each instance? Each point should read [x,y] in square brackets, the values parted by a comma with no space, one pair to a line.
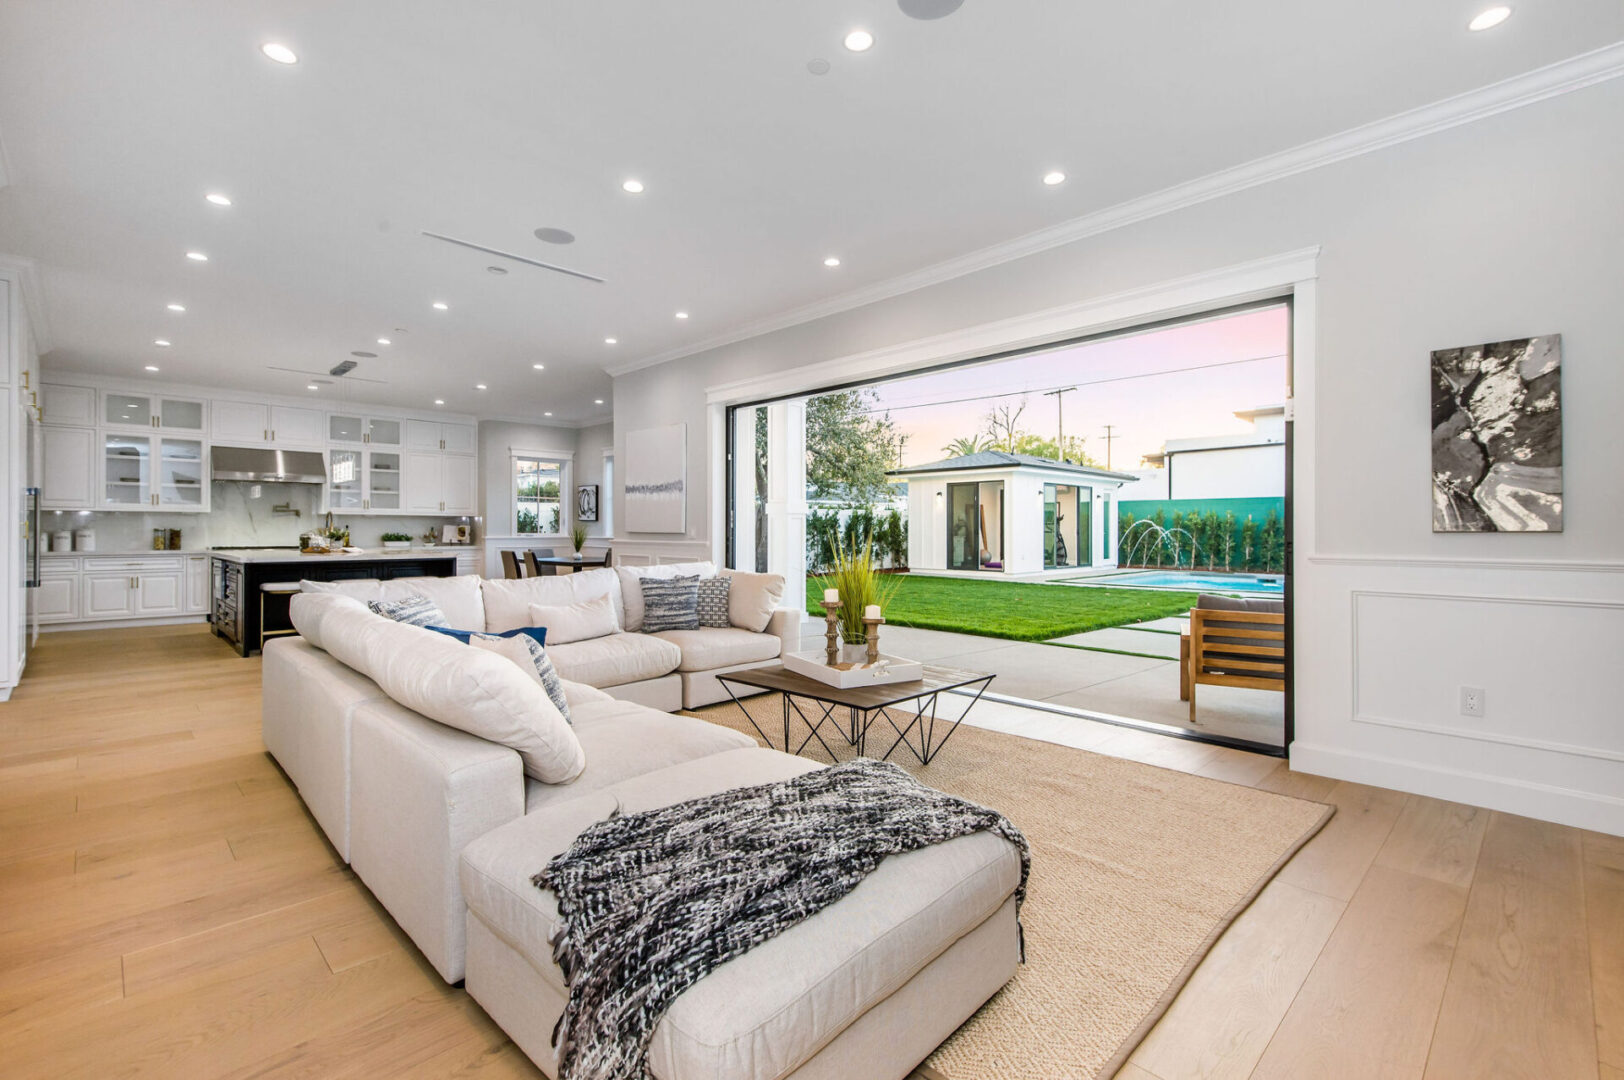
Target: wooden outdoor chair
[1231,646]
[510,566]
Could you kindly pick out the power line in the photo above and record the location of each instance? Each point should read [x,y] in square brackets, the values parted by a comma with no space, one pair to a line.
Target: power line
[1096,382]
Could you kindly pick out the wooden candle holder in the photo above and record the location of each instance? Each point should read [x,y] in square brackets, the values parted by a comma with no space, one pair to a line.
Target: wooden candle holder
[872,629]
[831,614]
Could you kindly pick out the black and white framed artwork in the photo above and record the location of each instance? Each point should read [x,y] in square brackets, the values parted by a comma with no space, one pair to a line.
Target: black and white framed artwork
[586,502]
[1497,437]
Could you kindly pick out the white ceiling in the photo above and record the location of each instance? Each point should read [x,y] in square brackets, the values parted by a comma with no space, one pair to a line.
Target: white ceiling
[486,120]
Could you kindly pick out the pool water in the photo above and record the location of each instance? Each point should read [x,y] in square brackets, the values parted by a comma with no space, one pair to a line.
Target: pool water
[1191,581]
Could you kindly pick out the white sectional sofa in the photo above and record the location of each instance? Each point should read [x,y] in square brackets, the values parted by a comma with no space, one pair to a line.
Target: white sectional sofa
[669,670]
[445,827]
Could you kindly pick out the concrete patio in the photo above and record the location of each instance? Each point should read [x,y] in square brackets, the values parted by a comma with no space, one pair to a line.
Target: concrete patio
[1142,687]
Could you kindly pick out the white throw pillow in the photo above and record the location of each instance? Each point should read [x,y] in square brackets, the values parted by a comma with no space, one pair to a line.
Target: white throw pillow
[507,602]
[576,622]
[753,598]
[469,689]
[631,588]
[458,597]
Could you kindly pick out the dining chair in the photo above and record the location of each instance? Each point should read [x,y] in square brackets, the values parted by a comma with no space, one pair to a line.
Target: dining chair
[510,566]
[538,569]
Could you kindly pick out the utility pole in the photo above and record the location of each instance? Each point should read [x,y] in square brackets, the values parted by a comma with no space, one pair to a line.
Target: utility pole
[1060,418]
[1108,438]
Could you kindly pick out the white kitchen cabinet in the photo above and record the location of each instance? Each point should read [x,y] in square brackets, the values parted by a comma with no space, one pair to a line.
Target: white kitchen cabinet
[108,595]
[73,406]
[434,435]
[364,481]
[196,572]
[159,593]
[145,472]
[67,468]
[247,423]
[57,598]
[353,429]
[439,483]
[123,409]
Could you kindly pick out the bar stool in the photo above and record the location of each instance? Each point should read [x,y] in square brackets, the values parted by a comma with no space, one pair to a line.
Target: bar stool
[283,591]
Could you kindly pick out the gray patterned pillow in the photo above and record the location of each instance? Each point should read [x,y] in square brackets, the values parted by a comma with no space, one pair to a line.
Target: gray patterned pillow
[528,654]
[713,600]
[670,604]
[415,610]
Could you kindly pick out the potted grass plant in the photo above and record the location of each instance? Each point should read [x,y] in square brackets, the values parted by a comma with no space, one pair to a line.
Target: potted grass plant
[578,537]
[860,585]
[397,540]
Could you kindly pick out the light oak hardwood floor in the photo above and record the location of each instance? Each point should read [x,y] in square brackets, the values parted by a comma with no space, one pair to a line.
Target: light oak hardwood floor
[169,909]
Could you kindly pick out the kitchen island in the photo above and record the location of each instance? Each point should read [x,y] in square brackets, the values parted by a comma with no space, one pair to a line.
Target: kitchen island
[244,613]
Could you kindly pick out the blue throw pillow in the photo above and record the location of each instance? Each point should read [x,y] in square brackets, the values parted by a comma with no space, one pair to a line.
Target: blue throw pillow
[537,633]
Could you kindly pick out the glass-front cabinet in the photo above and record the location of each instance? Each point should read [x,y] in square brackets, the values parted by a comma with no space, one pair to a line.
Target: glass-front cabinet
[142,472]
[126,410]
[363,480]
[351,429]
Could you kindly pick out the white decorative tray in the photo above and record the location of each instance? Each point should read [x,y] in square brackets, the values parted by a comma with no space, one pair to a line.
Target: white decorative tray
[890,669]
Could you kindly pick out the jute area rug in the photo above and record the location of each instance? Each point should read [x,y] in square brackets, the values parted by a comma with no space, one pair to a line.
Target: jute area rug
[1136,871]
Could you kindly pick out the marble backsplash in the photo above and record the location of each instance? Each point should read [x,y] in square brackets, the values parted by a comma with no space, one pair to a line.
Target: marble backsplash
[238,519]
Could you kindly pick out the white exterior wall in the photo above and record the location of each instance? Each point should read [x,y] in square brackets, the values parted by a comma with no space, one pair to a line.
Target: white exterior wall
[1246,472]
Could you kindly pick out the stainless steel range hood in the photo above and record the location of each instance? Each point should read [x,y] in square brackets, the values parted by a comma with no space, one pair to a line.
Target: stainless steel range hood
[268,466]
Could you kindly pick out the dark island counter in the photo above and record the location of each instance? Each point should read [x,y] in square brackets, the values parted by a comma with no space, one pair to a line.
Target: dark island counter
[244,613]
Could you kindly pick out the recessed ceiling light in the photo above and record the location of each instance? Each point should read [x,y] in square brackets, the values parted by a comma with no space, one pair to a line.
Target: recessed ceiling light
[831,262]
[152,367]
[439,401]
[546,414]
[161,343]
[539,367]
[1053,178]
[597,401]
[682,314]
[497,270]
[218,199]
[176,307]
[383,341]
[441,305]
[481,386]
[611,341]
[312,386]
[197,256]
[550,235]
[280,53]
[859,41]
[635,187]
[1490,18]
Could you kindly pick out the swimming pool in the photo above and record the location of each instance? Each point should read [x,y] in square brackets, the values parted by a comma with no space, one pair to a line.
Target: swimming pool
[1192,581]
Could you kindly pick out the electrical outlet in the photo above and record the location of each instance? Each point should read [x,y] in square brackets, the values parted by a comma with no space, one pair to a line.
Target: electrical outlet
[1473,701]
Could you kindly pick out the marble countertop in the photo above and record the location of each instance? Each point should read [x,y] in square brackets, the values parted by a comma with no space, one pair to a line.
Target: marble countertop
[121,553]
[275,555]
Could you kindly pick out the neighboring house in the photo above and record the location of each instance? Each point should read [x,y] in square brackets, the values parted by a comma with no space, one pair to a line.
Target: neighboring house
[1010,513]
[1249,466]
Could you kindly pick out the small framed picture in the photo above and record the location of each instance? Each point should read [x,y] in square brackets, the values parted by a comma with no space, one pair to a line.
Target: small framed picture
[586,502]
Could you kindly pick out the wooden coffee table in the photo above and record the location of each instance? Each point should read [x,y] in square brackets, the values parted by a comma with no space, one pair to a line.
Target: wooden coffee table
[863,705]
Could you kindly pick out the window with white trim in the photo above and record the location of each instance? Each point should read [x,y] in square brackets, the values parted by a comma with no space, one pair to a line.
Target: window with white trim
[538,503]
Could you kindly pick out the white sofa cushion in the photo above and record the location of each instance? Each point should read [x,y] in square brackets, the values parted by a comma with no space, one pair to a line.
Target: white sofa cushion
[631,587]
[458,597]
[623,740]
[765,1012]
[576,622]
[507,602]
[309,610]
[753,598]
[468,689]
[710,647]
[616,659]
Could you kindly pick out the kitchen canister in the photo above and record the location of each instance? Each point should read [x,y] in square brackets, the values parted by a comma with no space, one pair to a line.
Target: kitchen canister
[61,540]
[84,539]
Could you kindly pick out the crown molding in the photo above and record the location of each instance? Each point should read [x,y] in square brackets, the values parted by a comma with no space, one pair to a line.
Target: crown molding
[33,296]
[1553,80]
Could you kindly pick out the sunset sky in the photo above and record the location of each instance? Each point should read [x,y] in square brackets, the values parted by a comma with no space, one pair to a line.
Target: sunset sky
[1141,384]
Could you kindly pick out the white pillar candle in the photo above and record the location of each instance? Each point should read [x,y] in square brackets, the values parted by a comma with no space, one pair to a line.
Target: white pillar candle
[872,611]
[831,596]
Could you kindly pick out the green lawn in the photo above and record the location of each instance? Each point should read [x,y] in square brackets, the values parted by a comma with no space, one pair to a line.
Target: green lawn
[1010,609]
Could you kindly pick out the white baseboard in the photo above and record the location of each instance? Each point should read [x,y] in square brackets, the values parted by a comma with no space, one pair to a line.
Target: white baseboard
[121,624]
[1547,802]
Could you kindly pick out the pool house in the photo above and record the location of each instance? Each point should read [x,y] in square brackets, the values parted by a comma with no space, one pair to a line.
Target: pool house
[996,512]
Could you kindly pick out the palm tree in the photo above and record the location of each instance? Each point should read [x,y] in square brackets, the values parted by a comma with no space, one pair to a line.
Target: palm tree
[964,446]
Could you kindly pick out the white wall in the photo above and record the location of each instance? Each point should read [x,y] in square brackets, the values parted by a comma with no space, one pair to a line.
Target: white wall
[590,445]
[1241,472]
[498,439]
[1508,226]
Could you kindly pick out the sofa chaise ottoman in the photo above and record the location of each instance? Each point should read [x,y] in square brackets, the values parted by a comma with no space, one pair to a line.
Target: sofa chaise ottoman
[867,987]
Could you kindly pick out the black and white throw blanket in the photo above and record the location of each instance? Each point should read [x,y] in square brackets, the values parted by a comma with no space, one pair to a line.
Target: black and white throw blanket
[651,902]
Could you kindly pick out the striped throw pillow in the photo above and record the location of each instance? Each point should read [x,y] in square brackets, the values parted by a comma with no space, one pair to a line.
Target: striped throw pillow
[713,601]
[532,659]
[415,610]
[670,604]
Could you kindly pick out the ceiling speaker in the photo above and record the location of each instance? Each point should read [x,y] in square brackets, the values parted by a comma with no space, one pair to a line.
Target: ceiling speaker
[929,9]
